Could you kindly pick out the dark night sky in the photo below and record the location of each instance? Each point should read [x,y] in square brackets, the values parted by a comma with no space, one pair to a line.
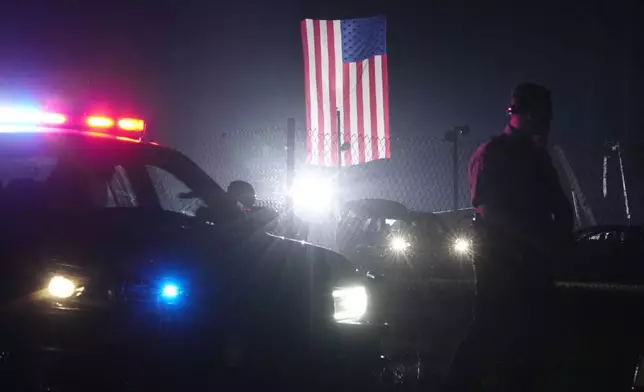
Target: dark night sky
[203,66]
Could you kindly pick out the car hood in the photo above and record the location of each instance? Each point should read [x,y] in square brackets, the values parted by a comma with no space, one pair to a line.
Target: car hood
[129,245]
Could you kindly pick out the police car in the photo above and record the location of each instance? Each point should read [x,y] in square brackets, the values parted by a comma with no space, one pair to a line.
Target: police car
[126,252]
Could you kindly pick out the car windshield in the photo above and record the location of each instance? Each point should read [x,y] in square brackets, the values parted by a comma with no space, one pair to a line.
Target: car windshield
[41,174]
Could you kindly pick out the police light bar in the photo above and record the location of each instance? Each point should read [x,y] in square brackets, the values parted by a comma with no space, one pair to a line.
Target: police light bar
[29,119]
[19,116]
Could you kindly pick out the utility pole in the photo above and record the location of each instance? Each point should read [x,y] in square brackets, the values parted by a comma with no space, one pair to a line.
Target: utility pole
[452,136]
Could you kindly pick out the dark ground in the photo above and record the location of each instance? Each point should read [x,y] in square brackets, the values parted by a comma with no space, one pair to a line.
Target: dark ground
[597,346]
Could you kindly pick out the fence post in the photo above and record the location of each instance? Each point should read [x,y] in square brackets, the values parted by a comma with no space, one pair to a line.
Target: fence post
[452,136]
[455,173]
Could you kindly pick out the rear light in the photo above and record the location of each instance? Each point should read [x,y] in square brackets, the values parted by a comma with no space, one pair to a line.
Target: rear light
[99,122]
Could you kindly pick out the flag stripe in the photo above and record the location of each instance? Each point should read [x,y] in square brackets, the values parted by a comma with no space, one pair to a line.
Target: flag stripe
[333,107]
[380,115]
[360,111]
[319,83]
[385,104]
[366,105]
[313,131]
[307,81]
[353,112]
[346,113]
[340,76]
[375,141]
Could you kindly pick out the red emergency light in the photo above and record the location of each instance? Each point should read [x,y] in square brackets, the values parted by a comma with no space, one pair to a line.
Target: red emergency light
[99,122]
[34,120]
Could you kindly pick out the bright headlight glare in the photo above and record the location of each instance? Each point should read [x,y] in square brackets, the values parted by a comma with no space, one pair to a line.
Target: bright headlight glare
[462,245]
[350,304]
[399,244]
[312,195]
[61,287]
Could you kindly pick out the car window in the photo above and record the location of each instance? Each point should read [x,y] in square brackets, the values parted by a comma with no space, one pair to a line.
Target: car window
[119,190]
[36,178]
[173,194]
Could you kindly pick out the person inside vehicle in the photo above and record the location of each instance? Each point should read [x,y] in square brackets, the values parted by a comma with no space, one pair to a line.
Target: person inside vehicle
[243,193]
[523,220]
[264,219]
[74,189]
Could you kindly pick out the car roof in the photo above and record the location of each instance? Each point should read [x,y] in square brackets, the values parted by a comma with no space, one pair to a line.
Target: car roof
[377,207]
[182,166]
[73,138]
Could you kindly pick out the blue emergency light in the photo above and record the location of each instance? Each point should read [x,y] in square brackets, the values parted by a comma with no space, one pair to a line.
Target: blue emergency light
[170,291]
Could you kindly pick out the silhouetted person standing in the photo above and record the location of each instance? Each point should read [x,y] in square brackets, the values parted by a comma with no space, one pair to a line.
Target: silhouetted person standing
[523,218]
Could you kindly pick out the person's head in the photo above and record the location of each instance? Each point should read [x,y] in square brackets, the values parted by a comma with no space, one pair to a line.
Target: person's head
[531,110]
[242,192]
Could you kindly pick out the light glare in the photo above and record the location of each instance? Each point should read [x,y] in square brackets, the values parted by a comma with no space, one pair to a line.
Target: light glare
[462,245]
[53,118]
[312,196]
[61,287]
[350,304]
[30,116]
[170,291]
[399,244]
[100,122]
[131,124]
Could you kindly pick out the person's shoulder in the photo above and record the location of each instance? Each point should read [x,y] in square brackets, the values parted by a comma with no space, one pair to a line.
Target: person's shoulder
[488,146]
[482,148]
[478,158]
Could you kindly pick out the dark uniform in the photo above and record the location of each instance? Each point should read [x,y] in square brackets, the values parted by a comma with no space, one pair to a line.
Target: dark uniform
[523,219]
[264,219]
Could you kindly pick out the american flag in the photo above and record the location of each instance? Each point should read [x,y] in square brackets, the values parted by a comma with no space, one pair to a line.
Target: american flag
[345,68]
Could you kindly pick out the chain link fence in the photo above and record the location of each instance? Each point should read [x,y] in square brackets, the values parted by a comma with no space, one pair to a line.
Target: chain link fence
[420,173]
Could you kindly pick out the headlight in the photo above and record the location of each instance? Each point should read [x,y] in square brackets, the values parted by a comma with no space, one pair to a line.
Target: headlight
[399,244]
[63,287]
[350,304]
[462,245]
